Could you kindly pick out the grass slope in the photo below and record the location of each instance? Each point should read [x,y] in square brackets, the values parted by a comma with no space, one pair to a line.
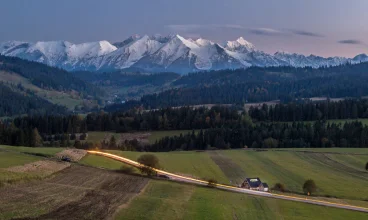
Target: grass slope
[333,177]
[9,159]
[167,200]
[98,136]
[195,164]
[47,151]
[334,174]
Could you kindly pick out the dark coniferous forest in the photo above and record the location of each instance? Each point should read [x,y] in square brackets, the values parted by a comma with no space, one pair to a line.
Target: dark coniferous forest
[216,128]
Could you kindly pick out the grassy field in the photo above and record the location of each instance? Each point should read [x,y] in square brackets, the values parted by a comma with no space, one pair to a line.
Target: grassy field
[97,136]
[61,98]
[10,159]
[329,150]
[101,162]
[340,121]
[47,151]
[333,173]
[194,164]
[166,200]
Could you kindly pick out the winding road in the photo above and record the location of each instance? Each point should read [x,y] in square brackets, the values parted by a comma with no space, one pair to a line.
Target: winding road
[181,178]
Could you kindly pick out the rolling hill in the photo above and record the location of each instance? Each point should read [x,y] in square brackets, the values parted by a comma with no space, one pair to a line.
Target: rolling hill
[31,87]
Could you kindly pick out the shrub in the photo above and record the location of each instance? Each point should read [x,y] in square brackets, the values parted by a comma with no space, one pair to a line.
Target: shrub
[83,137]
[279,187]
[309,187]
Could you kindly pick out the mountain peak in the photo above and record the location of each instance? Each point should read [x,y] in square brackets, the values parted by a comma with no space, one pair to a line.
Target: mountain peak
[240,45]
[203,42]
[243,42]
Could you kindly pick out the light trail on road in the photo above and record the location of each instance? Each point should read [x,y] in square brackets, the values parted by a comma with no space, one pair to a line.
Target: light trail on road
[181,178]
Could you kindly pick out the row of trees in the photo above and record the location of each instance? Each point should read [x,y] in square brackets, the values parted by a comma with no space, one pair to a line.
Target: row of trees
[188,118]
[269,135]
[309,187]
[52,124]
[164,119]
[311,111]
[19,137]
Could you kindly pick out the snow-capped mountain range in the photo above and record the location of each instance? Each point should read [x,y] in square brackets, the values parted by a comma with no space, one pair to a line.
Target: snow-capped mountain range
[161,54]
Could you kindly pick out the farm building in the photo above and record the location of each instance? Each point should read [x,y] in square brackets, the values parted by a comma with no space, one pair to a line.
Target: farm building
[254,184]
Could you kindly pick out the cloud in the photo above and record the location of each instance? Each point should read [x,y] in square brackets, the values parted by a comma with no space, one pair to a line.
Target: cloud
[266,31]
[258,31]
[184,27]
[195,27]
[350,41]
[306,33]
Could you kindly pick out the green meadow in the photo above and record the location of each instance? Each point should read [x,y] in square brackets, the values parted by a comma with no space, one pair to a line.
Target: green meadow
[167,200]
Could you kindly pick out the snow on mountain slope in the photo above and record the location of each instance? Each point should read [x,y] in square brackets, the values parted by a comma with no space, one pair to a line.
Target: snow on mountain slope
[298,60]
[127,41]
[360,58]
[124,56]
[183,55]
[240,45]
[10,46]
[88,50]
[162,53]
[56,53]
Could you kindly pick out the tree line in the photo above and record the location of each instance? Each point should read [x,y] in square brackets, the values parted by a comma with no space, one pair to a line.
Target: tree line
[269,135]
[219,127]
[185,118]
[311,111]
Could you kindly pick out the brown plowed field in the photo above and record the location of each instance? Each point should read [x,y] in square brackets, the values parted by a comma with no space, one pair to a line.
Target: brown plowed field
[75,193]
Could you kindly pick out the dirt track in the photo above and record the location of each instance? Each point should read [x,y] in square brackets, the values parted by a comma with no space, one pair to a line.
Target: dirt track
[75,193]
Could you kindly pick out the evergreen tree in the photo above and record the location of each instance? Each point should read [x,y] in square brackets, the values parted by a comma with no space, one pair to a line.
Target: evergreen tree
[36,139]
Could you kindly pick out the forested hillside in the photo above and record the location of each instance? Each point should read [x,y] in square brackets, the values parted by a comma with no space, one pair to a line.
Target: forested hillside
[127,85]
[17,101]
[35,88]
[258,85]
[47,77]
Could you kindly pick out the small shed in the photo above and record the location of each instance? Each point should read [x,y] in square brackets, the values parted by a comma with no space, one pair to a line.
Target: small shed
[265,187]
